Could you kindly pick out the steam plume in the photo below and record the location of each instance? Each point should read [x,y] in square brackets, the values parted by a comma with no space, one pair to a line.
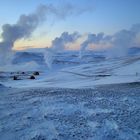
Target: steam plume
[91,39]
[58,45]
[123,40]
[22,29]
[26,25]
[120,42]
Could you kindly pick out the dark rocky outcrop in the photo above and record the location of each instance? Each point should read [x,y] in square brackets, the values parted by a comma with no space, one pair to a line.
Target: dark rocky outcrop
[36,73]
[15,78]
[32,77]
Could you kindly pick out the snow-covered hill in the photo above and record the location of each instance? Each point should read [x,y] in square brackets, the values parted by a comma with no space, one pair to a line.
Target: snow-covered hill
[70,71]
[71,99]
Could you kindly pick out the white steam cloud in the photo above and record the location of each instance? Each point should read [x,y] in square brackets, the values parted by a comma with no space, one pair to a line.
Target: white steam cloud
[26,25]
[120,42]
[91,39]
[58,45]
[123,40]
[22,29]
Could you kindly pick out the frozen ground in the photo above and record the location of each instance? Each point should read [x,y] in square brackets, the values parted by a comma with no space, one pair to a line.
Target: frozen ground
[110,112]
[69,71]
[93,98]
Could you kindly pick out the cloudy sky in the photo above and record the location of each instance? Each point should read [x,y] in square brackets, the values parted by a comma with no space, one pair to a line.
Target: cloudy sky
[83,16]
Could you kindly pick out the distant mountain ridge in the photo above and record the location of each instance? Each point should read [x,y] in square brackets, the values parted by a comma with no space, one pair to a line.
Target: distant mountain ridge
[38,56]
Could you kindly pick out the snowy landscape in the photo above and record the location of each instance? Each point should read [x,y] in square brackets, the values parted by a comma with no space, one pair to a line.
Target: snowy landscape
[90,98]
[83,84]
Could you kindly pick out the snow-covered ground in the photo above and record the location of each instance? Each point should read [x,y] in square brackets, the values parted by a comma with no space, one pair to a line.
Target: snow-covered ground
[103,113]
[69,71]
[93,98]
